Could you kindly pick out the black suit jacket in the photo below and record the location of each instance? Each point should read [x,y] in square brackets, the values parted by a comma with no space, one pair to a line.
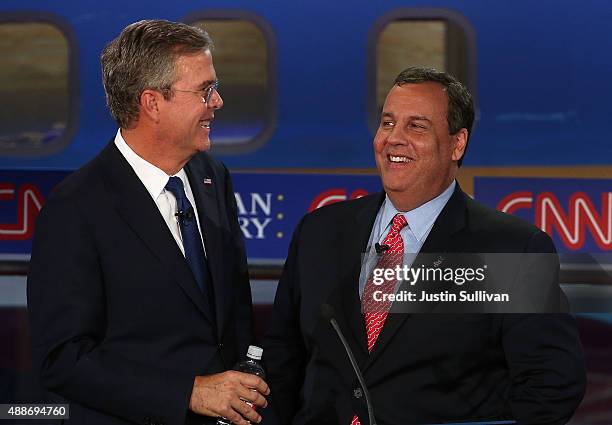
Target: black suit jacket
[119,326]
[424,368]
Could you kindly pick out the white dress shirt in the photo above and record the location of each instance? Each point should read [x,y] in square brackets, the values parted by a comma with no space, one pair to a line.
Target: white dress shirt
[155,180]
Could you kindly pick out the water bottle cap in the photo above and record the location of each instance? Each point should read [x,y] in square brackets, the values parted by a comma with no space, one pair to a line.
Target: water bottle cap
[254,352]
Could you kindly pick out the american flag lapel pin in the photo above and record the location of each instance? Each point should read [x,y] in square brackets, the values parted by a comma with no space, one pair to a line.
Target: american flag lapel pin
[207,181]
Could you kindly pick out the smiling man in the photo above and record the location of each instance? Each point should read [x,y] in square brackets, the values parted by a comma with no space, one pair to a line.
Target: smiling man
[417,154]
[138,293]
[419,368]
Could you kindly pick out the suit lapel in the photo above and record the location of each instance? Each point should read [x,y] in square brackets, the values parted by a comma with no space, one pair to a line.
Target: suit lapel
[356,236]
[205,195]
[141,214]
[451,219]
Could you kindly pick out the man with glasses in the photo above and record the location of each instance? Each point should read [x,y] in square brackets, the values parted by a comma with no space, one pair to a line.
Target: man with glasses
[138,293]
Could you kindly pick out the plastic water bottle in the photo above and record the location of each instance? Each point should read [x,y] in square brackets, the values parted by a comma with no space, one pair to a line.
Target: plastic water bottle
[252,366]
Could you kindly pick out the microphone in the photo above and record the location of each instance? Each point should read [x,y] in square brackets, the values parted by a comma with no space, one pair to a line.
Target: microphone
[380,249]
[185,215]
[327,311]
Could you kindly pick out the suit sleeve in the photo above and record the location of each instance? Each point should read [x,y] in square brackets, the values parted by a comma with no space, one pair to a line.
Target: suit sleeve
[66,303]
[545,361]
[284,350]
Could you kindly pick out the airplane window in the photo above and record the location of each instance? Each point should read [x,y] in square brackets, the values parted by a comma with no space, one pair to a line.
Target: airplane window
[405,43]
[241,58]
[400,43]
[34,86]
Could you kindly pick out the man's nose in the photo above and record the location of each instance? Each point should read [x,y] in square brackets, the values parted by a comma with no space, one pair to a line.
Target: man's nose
[216,101]
[396,136]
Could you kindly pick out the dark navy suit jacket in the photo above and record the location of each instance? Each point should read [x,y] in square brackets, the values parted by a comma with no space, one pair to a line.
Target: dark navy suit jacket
[425,368]
[119,326]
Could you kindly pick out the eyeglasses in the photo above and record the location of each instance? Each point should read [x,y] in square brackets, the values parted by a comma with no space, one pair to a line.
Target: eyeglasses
[206,93]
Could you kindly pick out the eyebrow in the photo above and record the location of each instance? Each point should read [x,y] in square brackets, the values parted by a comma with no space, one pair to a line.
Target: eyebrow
[207,83]
[412,117]
[420,118]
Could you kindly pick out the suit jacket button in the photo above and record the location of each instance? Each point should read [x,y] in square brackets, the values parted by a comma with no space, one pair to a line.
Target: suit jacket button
[357,393]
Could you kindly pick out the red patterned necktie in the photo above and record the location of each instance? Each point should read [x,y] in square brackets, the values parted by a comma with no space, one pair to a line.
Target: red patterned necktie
[376,312]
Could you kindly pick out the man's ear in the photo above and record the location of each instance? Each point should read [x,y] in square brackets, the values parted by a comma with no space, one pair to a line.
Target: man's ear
[150,103]
[460,142]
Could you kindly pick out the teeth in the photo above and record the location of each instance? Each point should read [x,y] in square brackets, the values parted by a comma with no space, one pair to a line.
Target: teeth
[398,159]
[204,124]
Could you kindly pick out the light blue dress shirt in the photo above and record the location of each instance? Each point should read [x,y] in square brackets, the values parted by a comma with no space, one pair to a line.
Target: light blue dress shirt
[420,221]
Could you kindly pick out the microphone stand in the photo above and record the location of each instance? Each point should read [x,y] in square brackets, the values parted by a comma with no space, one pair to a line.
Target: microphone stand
[328,312]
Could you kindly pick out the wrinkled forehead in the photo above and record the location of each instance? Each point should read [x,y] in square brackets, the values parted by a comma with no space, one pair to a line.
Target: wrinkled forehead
[427,98]
[195,67]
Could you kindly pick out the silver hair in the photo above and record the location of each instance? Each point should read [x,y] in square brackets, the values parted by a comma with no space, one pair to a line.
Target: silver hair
[143,57]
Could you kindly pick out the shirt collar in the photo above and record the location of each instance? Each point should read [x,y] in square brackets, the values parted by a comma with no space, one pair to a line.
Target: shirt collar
[153,178]
[421,218]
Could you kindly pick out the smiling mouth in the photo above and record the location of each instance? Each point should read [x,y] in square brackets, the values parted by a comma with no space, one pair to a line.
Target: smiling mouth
[398,159]
[205,124]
